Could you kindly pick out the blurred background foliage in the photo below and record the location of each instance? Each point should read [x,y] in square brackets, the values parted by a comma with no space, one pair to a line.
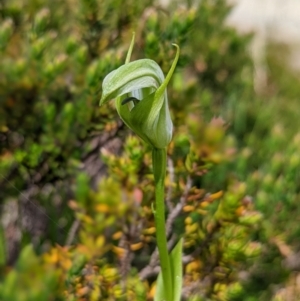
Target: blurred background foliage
[76,188]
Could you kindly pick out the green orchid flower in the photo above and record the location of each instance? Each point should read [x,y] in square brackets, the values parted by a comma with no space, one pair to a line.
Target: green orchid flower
[140,90]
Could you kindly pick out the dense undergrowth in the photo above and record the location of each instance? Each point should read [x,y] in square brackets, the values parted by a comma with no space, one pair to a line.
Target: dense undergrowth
[77,187]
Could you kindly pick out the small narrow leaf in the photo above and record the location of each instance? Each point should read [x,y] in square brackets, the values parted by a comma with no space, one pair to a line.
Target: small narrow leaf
[159,290]
[176,266]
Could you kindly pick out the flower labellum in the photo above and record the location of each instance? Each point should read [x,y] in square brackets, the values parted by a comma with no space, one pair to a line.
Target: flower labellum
[140,89]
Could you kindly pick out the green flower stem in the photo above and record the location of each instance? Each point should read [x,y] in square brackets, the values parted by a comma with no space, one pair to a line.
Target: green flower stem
[159,160]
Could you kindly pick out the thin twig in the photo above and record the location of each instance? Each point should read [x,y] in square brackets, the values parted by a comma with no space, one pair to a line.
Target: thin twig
[196,287]
[125,260]
[172,241]
[178,208]
[72,232]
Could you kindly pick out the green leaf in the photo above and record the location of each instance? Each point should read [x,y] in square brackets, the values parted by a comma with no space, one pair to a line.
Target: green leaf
[159,292]
[176,266]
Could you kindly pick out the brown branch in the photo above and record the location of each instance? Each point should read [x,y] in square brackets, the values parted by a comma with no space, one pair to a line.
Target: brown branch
[72,232]
[178,208]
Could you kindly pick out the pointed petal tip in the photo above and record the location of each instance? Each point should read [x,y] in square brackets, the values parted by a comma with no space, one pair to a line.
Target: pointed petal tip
[130,48]
[178,48]
[102,101]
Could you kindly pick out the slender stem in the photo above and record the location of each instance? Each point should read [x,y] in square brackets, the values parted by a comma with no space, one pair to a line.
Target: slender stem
[159,159]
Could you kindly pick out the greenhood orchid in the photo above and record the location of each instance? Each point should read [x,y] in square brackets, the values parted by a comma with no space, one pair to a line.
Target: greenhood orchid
[139,88]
